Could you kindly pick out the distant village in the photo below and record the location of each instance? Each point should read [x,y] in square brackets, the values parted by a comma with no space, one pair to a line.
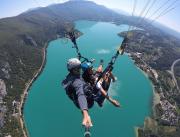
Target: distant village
[169,115]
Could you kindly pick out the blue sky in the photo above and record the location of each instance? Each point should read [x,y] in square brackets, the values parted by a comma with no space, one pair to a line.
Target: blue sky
[10,8]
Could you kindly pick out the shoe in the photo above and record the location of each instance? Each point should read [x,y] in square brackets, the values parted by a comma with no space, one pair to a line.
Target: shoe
[100,104]
[100,101]
[101,62]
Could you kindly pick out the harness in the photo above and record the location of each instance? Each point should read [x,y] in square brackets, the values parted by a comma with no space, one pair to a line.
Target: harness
[71,93]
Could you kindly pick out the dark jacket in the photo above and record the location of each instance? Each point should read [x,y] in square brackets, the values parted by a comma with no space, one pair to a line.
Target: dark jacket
[78,91]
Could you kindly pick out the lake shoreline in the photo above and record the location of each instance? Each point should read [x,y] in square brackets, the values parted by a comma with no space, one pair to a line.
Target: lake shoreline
[25,92]
[148,73]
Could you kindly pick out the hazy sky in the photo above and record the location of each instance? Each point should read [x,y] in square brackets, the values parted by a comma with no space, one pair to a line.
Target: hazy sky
[172,19]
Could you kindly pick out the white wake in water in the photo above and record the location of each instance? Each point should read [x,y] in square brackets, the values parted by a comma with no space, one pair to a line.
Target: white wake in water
[114,87]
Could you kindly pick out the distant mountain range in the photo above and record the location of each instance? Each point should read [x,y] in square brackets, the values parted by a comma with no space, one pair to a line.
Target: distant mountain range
[155,24]
[167,29]
[121,12]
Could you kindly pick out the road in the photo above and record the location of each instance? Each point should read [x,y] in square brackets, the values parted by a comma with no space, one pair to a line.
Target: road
[172,70]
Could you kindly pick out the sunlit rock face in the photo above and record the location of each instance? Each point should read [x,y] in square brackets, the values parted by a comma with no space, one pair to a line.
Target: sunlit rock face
[3,109]
[4,69]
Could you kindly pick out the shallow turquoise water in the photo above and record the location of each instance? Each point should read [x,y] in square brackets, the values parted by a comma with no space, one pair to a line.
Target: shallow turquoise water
[49,113]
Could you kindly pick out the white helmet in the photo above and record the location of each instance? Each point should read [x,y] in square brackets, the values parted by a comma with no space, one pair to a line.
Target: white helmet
[73,63]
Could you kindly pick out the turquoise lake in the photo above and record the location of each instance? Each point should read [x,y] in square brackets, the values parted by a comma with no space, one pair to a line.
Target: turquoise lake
[49,113]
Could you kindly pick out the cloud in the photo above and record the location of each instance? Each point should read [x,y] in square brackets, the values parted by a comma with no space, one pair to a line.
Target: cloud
[103,51]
